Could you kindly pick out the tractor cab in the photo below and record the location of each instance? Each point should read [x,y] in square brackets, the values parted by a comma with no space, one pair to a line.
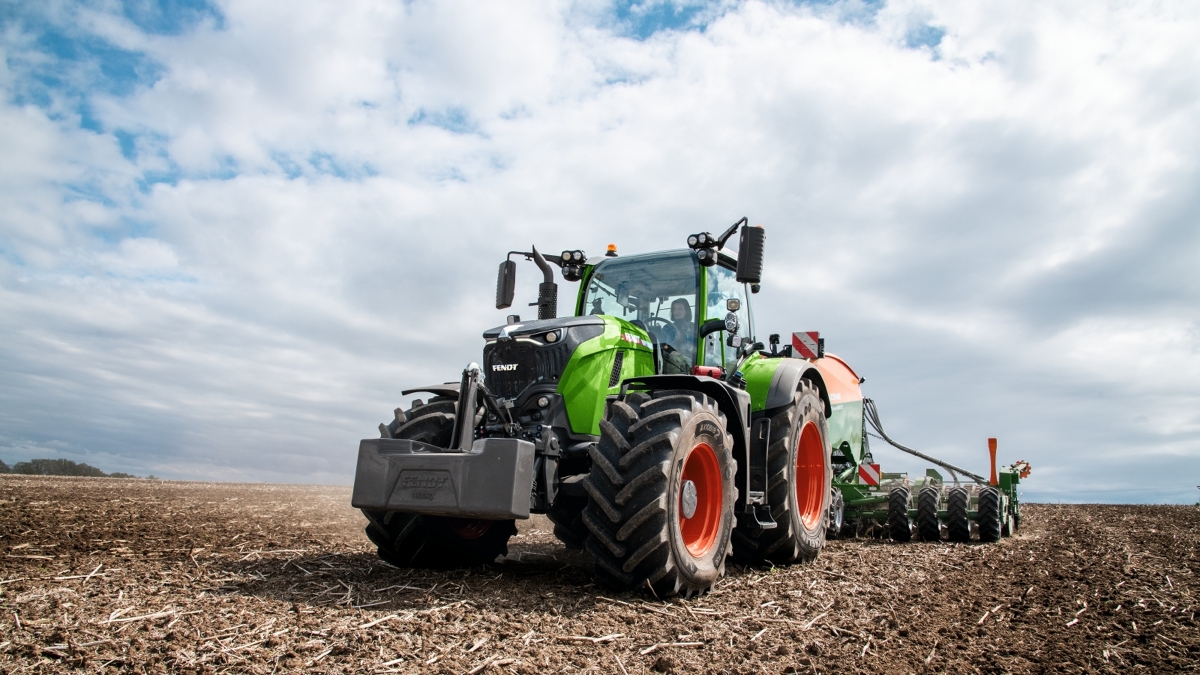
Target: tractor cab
[694,313]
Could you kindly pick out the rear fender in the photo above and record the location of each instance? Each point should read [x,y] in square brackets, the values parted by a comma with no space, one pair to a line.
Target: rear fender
[786,380]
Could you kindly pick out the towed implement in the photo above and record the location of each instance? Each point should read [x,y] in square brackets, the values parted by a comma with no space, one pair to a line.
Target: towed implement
[650,426]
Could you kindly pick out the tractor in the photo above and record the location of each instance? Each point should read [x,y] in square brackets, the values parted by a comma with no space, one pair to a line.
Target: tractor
[650,426]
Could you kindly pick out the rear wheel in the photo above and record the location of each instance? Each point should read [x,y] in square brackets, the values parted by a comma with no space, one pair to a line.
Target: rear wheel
[899,525]
[417,540]
[958,525]
[799,484]
[927,513]
[989,514]
[837,514]
[661,493]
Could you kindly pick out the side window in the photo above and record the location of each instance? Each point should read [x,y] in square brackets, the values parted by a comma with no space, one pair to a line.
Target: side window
[723,287]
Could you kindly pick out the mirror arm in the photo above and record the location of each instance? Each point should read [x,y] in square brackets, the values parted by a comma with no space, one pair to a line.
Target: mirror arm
[711,326]
[729,233]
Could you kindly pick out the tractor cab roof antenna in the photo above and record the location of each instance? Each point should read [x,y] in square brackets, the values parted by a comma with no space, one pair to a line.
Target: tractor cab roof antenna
[729,233]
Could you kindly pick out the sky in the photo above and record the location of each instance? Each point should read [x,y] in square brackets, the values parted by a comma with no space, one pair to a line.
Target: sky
[232,232]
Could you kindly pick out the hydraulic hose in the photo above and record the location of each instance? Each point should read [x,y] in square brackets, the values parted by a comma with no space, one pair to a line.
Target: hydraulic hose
[872,416]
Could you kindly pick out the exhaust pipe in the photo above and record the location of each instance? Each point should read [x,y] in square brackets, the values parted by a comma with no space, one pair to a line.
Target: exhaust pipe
[547,302]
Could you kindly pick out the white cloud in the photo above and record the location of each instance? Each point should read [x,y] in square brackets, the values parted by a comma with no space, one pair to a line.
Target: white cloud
[997,228]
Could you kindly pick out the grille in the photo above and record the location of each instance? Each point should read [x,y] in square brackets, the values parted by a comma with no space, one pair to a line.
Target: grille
[618,361]
[534,364]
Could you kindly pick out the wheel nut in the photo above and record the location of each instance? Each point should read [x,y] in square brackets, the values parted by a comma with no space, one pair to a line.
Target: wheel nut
[689,499]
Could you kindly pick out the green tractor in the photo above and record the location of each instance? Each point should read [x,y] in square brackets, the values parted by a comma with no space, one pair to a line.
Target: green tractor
[650,426]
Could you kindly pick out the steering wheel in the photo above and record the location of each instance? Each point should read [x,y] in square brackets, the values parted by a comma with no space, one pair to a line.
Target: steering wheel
[659,330]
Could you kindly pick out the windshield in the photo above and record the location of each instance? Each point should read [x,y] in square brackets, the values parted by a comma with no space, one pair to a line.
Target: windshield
[658,293]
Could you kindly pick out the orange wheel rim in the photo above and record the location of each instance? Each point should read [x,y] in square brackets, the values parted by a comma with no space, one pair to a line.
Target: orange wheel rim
[810,476]
[702,469]
[469,529]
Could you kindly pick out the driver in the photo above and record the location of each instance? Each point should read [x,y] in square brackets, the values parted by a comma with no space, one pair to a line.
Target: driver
[683,331]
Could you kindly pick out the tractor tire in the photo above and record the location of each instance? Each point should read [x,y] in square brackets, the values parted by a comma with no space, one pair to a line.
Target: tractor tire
[989,514]
[899,525]
[927,513]
[958,524]
[661,494]
[567,516]
[418,540]
[837,515]
[799,484]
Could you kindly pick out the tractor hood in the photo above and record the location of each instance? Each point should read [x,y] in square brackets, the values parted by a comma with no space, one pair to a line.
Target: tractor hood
[579,327]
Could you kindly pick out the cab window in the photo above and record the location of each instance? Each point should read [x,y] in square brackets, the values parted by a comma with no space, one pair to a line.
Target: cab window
[723,287]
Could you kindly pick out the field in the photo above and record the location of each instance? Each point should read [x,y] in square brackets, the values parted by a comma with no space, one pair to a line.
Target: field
[107,575]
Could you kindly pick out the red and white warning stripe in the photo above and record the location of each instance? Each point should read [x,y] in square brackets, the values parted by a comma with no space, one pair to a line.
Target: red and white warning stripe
[869,473]
[805,344]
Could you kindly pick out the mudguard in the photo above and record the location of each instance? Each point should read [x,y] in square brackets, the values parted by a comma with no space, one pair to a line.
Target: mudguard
[786,380]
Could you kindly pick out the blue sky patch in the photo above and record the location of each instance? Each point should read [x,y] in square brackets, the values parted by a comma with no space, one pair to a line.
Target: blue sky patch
[325,163]
[643,19]
[924,35]
[455,120]
[171,17]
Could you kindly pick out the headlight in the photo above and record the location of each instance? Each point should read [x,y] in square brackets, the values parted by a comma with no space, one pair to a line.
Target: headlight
[692,240]
[552,336]
[543,401]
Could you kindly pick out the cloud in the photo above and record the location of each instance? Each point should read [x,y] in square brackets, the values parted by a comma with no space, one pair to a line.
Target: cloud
[230,234]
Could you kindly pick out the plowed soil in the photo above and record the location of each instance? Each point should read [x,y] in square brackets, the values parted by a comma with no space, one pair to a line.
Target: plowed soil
[148,576]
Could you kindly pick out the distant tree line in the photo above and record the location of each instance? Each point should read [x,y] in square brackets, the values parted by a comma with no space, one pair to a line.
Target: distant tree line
[59,467]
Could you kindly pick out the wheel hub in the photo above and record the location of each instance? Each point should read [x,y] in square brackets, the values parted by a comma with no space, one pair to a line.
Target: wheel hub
[689,499]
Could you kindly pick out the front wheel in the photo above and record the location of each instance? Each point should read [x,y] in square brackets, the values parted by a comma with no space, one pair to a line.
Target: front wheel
[661,494]
[417,540]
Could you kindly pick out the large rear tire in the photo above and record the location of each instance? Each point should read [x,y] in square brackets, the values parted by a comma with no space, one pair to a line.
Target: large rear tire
[661,494]
[799,483]
[418,540]
[927,513]
[958,524]
[989,515]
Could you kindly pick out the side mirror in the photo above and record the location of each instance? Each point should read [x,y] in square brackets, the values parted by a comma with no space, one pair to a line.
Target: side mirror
[506,284]
[750,254]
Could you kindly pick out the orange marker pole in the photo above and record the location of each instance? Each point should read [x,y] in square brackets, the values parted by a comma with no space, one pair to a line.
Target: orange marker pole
[992,452]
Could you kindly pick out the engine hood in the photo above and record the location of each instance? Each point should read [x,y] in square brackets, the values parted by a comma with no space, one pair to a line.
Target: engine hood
[529,328]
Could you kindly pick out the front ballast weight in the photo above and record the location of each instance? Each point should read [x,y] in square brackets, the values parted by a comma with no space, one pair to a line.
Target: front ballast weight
[433,464]
[930,508]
